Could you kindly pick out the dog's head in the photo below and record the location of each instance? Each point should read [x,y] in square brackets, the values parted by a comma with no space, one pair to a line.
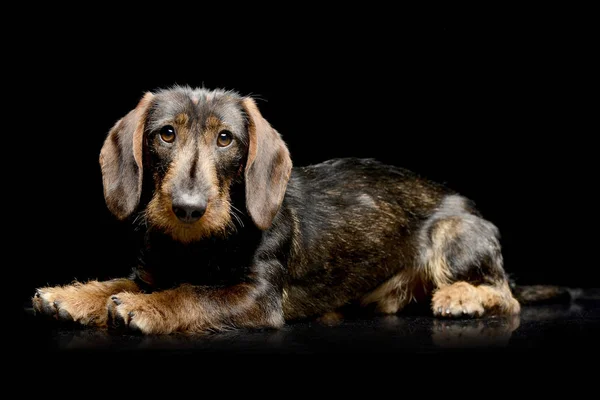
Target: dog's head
[193,145]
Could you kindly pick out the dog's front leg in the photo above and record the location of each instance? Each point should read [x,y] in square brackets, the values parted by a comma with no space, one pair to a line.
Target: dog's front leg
[197,309]
[84,303]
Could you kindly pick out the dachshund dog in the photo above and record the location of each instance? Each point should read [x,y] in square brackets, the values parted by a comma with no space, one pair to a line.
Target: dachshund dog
[235,237]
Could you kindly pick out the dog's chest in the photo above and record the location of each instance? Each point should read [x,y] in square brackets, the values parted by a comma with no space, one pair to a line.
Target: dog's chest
[164,263]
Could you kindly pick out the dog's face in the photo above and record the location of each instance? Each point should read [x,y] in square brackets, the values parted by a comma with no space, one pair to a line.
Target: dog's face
[195,148]
[194,144]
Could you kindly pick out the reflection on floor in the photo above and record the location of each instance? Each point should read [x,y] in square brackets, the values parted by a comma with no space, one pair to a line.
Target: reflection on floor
[575,325]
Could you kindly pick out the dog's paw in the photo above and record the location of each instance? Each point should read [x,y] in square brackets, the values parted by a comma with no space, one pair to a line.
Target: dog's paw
[69,304]
[460,300]
[137,313]
[47,302]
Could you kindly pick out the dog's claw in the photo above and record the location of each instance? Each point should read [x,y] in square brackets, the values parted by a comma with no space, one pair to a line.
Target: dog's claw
[116,300]
[49,309]
[118,322]
[109,319]
[133,328]
[439,310]
[64,315]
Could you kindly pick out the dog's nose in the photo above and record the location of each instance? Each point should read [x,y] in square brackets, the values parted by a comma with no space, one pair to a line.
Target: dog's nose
[189,208]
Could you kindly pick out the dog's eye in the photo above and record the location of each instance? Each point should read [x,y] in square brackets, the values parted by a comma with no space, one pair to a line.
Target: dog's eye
[167,134]
[224,139]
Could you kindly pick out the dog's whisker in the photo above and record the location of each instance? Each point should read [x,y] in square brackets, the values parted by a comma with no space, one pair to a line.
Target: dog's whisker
[232,226]
[234,212]
[138,217]
[239,220]
[235,208]
[140,221]
[257,97]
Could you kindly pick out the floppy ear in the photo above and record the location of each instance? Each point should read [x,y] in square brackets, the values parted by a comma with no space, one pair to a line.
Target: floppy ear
[121,161]
[268,168]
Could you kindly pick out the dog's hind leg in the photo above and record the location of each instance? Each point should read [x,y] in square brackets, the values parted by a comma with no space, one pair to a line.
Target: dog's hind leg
[460,259]
[394,294]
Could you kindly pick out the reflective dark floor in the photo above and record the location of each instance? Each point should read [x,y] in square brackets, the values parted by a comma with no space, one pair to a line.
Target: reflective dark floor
[571,327]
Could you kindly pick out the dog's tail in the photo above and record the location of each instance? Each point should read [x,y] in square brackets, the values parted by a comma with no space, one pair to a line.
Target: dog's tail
[550,294]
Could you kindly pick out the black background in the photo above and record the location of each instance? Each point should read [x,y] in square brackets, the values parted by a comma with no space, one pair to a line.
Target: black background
[496,112]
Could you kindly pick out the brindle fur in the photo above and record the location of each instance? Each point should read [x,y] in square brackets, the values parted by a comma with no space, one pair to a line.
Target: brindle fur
[275,243]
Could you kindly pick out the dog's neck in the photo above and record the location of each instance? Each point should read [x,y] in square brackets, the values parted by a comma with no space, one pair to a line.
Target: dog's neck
[164,262]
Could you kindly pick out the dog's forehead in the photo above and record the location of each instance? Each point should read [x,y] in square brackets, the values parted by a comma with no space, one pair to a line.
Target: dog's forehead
[198,105]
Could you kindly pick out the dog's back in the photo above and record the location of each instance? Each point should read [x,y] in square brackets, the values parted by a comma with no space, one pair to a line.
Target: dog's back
[356,223]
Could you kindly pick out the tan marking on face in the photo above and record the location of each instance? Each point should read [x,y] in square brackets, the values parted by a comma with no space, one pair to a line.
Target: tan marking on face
[215,221]
[212,121]
[181,119]
[213,127]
